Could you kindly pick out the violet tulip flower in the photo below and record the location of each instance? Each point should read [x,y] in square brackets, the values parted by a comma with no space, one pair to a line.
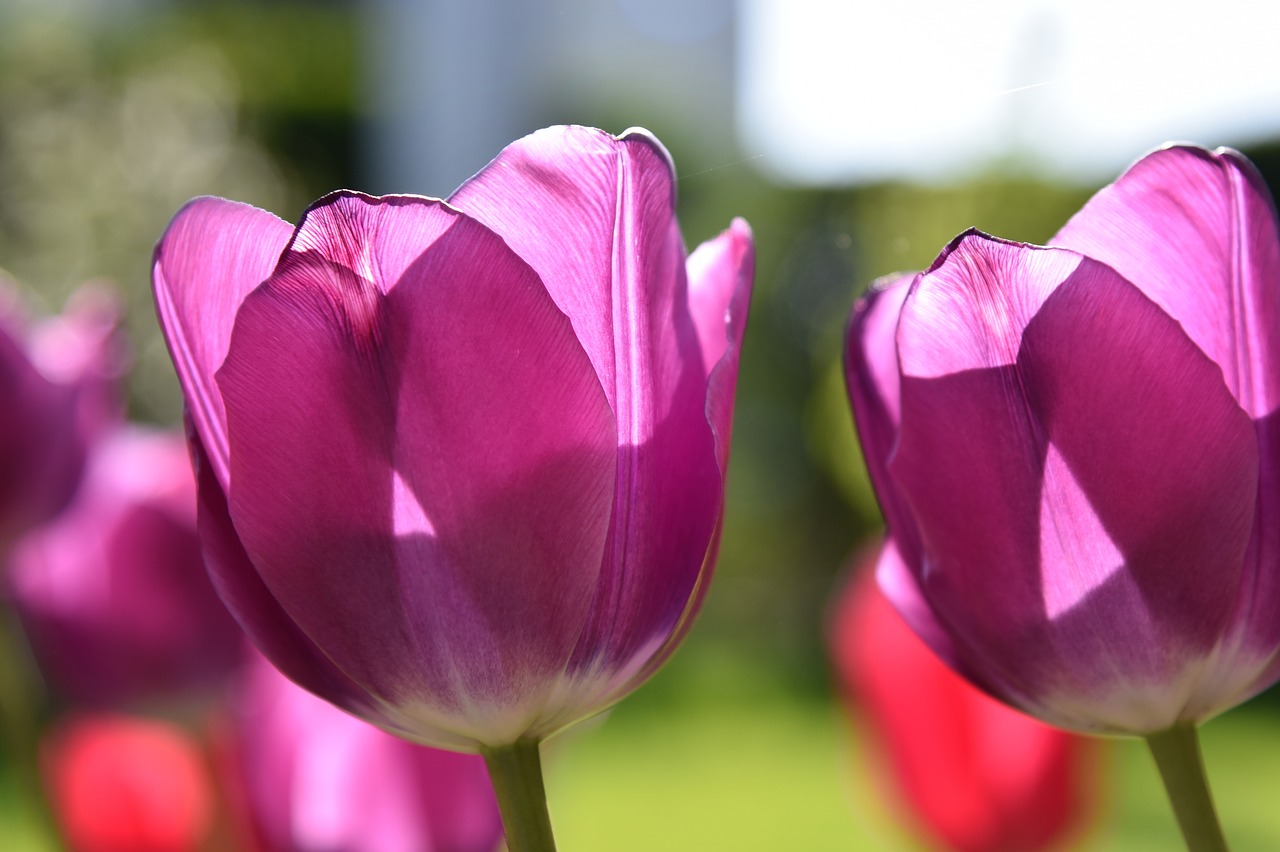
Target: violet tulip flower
[307,777]
[461,463]
[967,771]
[113,594]
[1077,454]
[57,391]
[1075,450]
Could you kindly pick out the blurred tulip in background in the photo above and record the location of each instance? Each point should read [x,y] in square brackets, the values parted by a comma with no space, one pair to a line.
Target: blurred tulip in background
[123,784]
[1077,455]
[461,465]
[965,770]
[113,594]
[307,777]
[57,391]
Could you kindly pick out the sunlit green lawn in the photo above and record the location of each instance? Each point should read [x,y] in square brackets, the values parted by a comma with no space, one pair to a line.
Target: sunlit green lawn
[774,775]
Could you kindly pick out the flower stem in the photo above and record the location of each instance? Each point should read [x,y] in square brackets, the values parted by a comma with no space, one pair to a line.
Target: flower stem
[20,698]
[1177,754]
[516,771]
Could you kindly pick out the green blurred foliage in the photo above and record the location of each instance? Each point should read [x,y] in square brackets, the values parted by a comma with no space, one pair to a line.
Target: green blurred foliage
[107,126]
[777,774]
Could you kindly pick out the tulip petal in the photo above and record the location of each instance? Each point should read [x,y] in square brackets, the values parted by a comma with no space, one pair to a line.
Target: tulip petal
[610,204]
[721,272]
[310,777]
[901,587]
[254,607]
[441,398]
[616,266]
[42,452]
[871,376]
[1076,465]
[212,255]
[1196,231]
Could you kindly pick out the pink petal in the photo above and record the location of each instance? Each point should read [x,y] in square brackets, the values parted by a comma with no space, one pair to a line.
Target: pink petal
[871,375]
[42,451]
[113,594]
[241,588]
[1258,611]
[1196,231]
[900,586]
[314,778]
[721,272]
[1074,463]
[422,457]
[84,349]
[594,215]
[211,256]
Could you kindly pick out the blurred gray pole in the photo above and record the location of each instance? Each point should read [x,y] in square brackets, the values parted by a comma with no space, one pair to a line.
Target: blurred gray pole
[448,83]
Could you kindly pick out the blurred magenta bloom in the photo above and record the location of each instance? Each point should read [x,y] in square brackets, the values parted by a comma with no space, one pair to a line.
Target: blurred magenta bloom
[973,774]
[1077,452]
[462,463]
[113,594]
[57,392]
[310,778]
[125,784]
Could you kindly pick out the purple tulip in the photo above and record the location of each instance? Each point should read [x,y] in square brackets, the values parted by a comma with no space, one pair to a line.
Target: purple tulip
[1077,453]
[309,778]
[57,392]
[113,594]
[462,463]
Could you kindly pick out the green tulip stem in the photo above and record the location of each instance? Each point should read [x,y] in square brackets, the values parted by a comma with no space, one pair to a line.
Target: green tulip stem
[1177,754]
[20,698]
[516,772]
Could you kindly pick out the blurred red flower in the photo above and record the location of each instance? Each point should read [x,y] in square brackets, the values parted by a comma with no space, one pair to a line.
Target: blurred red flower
[122,784]
[973,774]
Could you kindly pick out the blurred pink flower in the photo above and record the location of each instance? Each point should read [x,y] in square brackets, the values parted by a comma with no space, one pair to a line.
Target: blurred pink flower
[113,594]
[462,463]
[310,778]
[124,784]
[58,390]
[974,774]
[1077,450]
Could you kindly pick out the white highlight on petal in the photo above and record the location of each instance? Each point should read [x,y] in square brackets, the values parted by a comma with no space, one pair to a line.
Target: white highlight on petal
[409,517]
[1076,553]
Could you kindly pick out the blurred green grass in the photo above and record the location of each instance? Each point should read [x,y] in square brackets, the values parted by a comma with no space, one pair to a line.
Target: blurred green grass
[782,773]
